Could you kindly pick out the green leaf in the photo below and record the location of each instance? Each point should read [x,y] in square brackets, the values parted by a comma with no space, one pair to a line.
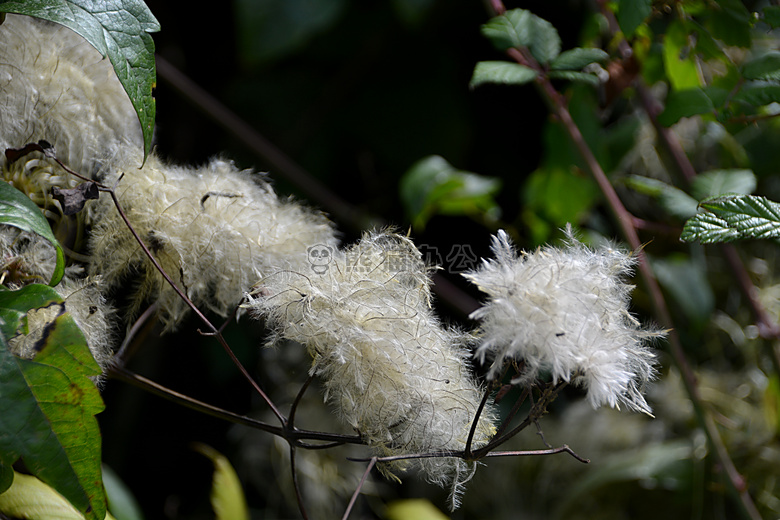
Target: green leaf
[556,195]
[771,15]
[545,42]
[578,58]
[672,199]
[227,497]
[16,209]
[581,77]
[521,28]
[765,67]
[118,29]
[730,22]
[48,406]
[716,183]
[758,93]
[685,103]
[433,186]
[732,218]
[632,13]
[512,29]
[708,228]
[679,60]
[501,72]
[6,477]
[14,305]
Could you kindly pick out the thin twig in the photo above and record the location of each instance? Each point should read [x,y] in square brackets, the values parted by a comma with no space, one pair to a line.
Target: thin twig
[476,420]
[291,417]
[212,330]
[516,408]
[296,486]
[352,501]
[462,455]
[333,439]
[537,410]
[124,352]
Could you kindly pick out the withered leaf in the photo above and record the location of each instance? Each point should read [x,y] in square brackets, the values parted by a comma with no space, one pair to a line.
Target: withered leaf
[72,200]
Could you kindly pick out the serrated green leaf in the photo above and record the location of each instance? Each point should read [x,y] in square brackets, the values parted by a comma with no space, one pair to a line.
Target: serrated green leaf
[679,60]
[708,228]
[578,58]
[771,15]
[227,496]
[31,498]
[732,218]
[716,183]
[685,103]
[765,67]
[672,199]
[501,72]
[512,29]
[632,13]
[521,28]
[545,43]
[119,29]
[433,186]
[17,210]
[570,75]
[48,406]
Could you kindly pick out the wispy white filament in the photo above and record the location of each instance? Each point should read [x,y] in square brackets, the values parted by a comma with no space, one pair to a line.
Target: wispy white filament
[55,86]
[215,230]
[392,372]
[565,310]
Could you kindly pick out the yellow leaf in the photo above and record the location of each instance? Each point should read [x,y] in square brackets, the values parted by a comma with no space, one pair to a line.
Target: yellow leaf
[31,499]
[227,496]
[414,509]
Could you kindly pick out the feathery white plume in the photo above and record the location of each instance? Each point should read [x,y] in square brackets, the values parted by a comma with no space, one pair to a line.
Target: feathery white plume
[565,310]
[392,372]
[55,86]
[215,230]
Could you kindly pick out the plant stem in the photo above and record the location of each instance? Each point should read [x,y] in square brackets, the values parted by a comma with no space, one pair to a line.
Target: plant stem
[625,222]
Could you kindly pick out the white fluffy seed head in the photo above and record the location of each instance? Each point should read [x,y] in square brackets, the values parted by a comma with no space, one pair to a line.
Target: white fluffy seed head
[55,86]
[565,310]
[25,257]
[215,230]
[28,258]
[392,372]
